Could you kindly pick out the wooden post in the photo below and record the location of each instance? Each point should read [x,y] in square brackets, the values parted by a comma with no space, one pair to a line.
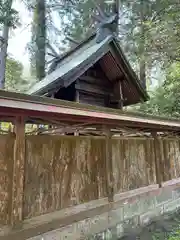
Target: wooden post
[76,133]
[118,94]
[77,96]
[167,161]
[157,159]
[162,161]
[18,172]
[121,95]
[109,166]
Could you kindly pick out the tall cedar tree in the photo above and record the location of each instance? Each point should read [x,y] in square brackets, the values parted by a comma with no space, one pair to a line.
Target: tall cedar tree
[39,37]
[6,14]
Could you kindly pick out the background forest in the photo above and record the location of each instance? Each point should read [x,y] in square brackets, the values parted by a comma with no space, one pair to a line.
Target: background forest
[148,31]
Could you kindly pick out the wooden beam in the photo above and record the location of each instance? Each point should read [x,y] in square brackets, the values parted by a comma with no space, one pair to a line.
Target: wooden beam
[109,166]
[157,158]
[86,87]
[96,81]
[77,96]
[76,133]
[121,95]
[18,172]
[117,97]
[20,104]
[75,42]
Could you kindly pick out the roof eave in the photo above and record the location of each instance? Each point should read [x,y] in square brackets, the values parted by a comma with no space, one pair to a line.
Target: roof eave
[132,75]
[72,75]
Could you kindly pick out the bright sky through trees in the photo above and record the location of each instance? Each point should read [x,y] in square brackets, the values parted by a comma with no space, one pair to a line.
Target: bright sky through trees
[21,35]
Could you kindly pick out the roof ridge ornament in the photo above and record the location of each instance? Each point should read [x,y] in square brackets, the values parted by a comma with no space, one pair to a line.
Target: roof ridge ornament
[106,24]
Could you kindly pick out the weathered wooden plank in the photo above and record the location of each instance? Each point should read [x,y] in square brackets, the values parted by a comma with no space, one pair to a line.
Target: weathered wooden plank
[171,156]
[61,172]
[6,165]
[77,96]
[18,172]
[109,166]
[64,171]
[157,158]
[96,81]
[167,160]
[118,94]
[76,133]
[118,166]
[91,99]
[86,87]
[121,94]
[40,106]
[162,161]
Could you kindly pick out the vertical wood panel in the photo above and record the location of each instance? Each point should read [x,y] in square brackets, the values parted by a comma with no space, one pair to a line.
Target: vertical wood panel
[109,166]
[118,164]
[62,172]
[157,158]
[178,150]
[18,172]
[177,157]
[172,159]
[133,161]
[162,161]
[166,161]
[6,165]
[149,157]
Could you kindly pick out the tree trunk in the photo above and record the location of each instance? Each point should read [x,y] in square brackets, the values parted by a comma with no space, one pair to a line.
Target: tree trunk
[142,70]
[142,66]
[115,9]
[4,45]
[40,37]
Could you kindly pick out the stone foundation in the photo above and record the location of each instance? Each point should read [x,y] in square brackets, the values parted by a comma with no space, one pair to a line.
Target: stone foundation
[129,210]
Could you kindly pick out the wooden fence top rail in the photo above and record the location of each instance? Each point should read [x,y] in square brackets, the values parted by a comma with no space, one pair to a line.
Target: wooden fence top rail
[35,107]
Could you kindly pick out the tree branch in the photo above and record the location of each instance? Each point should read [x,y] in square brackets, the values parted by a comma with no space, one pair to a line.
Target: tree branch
[177,59]
[54,53]
[72,40]
[70,3]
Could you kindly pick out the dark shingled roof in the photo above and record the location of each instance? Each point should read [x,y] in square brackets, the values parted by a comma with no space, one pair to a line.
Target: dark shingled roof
[77,61]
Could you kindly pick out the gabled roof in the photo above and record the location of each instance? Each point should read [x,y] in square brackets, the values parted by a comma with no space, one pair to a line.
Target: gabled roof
[72,65]
[77,61]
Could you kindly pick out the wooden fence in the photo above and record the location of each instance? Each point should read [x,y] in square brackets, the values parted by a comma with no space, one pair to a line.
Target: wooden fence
[6,172]
[55,172]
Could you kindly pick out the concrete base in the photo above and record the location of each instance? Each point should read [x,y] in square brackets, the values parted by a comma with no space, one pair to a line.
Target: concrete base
[136,211]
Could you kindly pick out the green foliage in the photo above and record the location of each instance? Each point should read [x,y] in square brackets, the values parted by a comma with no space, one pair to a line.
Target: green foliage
[8,15]
[175,235]
[165,100]
[79,21]
[149,30]
[14,80]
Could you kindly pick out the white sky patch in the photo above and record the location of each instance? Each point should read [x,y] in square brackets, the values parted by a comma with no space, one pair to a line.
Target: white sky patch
[19,38]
